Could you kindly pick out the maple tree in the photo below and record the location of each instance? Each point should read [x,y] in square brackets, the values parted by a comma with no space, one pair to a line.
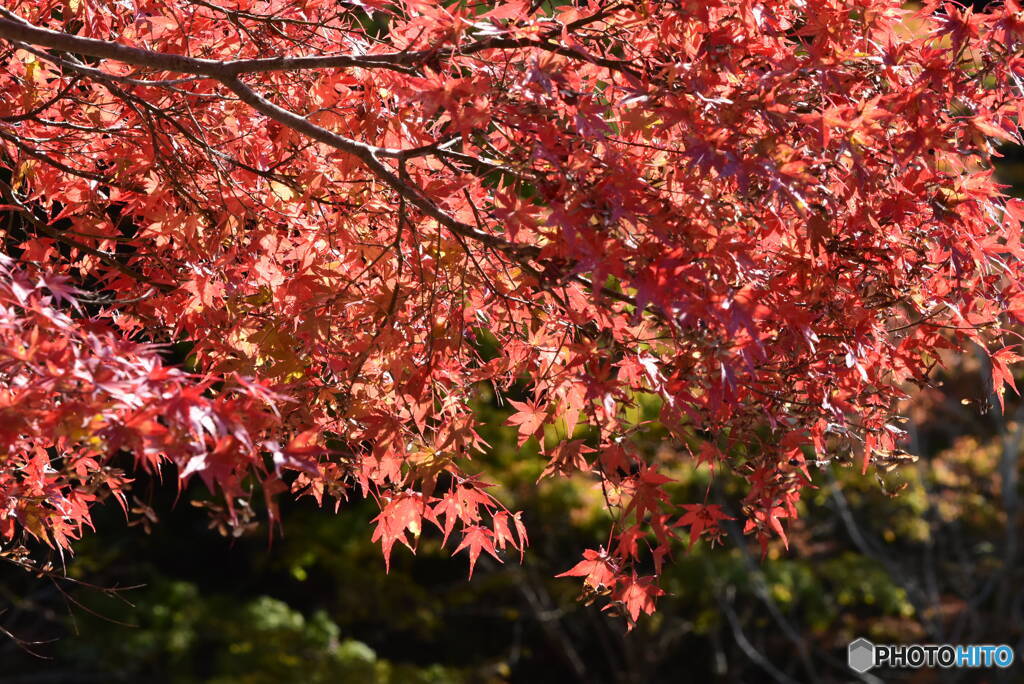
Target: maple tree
[770,216]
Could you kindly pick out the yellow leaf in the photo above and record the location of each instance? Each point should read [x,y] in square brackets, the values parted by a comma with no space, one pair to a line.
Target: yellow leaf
[283,192]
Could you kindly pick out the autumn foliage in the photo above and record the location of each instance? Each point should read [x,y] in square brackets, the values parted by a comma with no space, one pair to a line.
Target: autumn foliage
[774,217]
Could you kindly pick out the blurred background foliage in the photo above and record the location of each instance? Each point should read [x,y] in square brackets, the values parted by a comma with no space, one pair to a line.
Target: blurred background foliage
[930,552]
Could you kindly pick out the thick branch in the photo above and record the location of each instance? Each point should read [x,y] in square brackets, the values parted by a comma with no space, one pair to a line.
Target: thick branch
[14,28]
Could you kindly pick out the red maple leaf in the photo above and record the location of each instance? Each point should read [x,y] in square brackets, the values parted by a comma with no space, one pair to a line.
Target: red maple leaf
[476,539]
[701,518]
[637,595]
[530,417]
[597,569]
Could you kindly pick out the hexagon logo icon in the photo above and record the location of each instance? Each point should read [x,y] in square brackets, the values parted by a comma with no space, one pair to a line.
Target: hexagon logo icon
[860,655]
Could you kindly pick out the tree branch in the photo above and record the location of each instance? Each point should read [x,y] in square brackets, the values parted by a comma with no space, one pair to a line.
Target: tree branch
[14,28]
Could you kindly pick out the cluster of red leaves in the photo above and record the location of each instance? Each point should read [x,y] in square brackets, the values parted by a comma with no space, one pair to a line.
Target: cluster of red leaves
[462,503]
[770,215]
[73,393]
